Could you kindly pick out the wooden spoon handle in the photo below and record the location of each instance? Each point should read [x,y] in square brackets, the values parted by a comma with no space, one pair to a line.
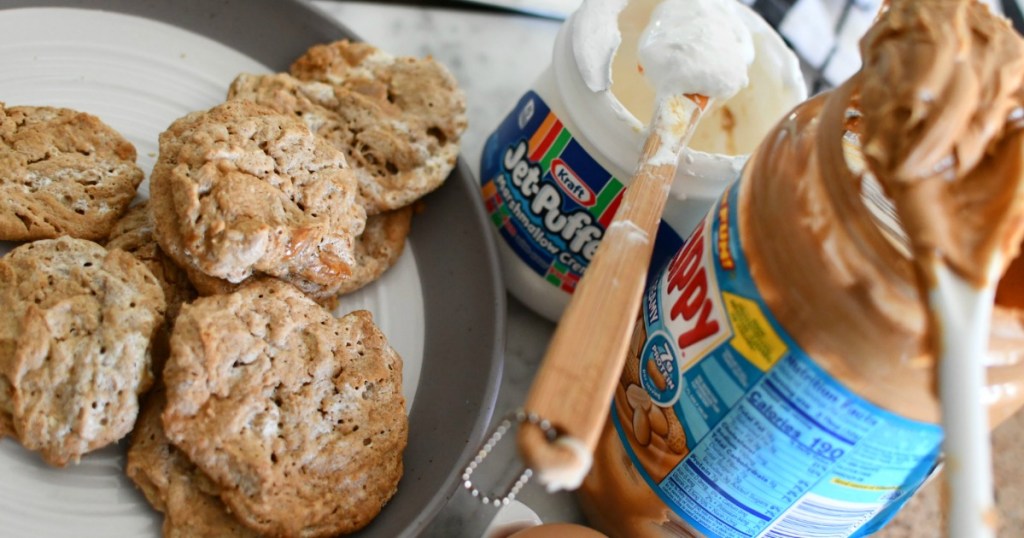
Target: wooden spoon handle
[576,380]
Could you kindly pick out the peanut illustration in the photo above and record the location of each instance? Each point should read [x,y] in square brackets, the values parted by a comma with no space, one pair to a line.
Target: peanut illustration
[638,397]
[641,427]
[659,424]
[649,419]
[656,377]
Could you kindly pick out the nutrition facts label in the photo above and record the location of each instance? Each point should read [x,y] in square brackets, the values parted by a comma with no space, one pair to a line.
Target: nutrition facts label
[801,454]
[774,446]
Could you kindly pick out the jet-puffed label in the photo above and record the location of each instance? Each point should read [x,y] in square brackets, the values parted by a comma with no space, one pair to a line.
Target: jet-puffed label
[736,428]
[549,199]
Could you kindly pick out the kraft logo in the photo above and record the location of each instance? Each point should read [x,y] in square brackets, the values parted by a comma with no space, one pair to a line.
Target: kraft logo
[572,184]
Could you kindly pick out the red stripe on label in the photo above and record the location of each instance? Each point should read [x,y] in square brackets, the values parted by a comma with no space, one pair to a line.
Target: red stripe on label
[609,212]
[538,153]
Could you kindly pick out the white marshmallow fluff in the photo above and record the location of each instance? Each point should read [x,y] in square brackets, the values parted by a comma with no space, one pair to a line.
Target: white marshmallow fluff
[611,60]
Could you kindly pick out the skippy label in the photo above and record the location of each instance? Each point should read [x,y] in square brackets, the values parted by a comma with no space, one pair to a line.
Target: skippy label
[736,428]
[550,200]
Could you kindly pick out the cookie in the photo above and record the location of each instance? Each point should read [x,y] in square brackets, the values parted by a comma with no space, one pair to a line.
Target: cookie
[62,172]
[241,190]
[8,343]
[172,484]
[208,285]
[376,250]
[76,336]
[6,428]
[398,119]
[379,247]
[134,235]
[297,416]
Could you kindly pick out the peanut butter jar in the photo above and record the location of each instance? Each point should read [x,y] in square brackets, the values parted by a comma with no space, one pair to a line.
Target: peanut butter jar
[780,381]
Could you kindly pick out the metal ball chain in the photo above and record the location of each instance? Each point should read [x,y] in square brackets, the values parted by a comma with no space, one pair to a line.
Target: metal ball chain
[517,417]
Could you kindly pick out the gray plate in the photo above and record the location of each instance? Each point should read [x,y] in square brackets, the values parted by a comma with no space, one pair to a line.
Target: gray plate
[464,300]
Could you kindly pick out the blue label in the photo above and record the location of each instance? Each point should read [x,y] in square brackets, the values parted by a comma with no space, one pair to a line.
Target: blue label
[549,199]
[760,441]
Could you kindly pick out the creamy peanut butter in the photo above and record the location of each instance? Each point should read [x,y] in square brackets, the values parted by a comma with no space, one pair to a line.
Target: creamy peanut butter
[941,93]
[868,305]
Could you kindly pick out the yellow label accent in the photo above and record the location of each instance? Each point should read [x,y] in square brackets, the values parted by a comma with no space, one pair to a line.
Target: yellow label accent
[755,339]
[724,252]
[541,133]
[855,485]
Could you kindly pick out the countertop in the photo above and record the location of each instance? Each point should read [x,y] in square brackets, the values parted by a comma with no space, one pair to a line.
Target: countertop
[495,56]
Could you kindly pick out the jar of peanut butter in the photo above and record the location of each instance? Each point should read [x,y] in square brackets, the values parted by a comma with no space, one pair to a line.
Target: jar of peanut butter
[780,382]
[554,171]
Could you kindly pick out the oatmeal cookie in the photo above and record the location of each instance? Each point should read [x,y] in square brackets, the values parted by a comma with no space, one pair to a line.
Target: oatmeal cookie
[297,416]
[75,338]
[241,190]
[172,484]
[6,428]
[134,235]
[8,344]
[62,172]
[379,247]
[376,250]
[398,119]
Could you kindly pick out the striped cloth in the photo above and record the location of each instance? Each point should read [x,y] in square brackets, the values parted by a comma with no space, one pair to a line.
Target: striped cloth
[825,33]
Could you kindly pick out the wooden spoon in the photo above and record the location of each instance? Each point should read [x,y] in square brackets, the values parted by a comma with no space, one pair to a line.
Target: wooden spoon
[573,388]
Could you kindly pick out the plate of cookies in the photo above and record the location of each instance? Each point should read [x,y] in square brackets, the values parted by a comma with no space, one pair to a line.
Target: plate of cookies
[247,286]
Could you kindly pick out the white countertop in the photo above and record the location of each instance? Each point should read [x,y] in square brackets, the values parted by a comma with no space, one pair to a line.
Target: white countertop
[495,57]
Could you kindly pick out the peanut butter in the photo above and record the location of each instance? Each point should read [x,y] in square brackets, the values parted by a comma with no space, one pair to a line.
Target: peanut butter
[941,93]
[935,111]
[869,306]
